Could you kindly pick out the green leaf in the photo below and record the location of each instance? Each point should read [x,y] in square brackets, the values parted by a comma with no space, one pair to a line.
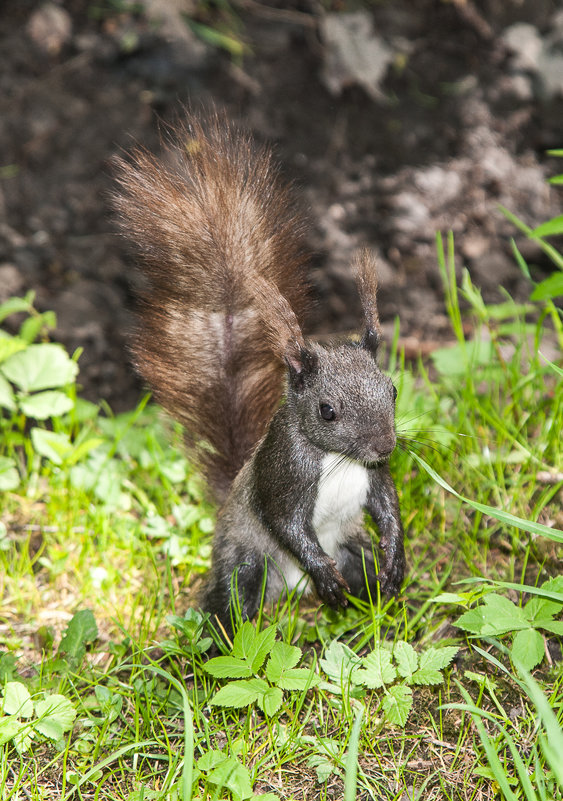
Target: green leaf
[56,715]
[51,444]
[376,670]
[528,648]
[226,772]
[550,228]
[551,287]
[261,647]
[397,704]
[282,658]
[16,306]
[7,667]
[9,346]
[271,701]
[323,766]
[228,667]
[7,397]
[244,640]
[83,449]
[432,662]
[17,700]
[456,360]
[9,476]
[9,728]
[240,693]
[553,626]
[81,630]
[110,703]
[46,404]
[339,661]
[406,658]
[43,366]
[297,679]
[540,608]
[496,616]
[30,328]
[499,514]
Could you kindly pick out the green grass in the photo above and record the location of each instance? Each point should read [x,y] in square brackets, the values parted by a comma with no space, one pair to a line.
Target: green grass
[102,516]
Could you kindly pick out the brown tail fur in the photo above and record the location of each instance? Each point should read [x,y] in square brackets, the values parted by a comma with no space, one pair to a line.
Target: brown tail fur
[221,247]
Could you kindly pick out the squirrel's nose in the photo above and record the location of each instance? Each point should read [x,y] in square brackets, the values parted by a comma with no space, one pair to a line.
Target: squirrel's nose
[386,445]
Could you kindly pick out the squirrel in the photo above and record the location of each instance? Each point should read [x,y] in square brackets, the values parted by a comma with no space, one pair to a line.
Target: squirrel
[293,437]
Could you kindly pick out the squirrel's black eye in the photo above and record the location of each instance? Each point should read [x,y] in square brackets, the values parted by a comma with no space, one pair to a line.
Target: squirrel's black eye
[394,392]
[327,412]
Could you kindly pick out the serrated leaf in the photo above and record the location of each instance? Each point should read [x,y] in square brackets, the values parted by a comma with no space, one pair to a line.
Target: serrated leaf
[49,728]
[322,765]
[432,662]
[17,700]
[240,693]
[282,658]
[297,679]
[271,701]
[528,648]
[406,658]
[81,630]
[9,476]
[338,662]
[471,621]
[226,771]
[42,405]
[261,647]
[438,658]
[43,366]
[553,626]
[56,715]
[228,667]
[397,704]
[541,608]
[210,760]
[497,615]
[376,670]
[244,640]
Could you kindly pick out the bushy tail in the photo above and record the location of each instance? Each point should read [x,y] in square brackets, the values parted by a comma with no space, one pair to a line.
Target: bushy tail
[221,247]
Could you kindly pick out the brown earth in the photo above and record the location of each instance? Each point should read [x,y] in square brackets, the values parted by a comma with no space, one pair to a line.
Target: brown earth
[457,121]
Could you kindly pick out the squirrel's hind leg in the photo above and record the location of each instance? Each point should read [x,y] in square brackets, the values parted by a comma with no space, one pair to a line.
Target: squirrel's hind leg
[356,563]
[234,590]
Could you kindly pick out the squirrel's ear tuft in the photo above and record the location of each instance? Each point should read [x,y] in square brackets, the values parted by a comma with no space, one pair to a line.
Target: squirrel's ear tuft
[370,340]
[365,270]
[300,364]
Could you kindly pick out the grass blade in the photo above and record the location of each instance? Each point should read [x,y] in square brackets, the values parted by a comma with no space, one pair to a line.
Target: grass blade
[554,534]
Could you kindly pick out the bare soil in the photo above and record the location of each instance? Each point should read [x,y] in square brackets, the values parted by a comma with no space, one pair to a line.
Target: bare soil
[459,123]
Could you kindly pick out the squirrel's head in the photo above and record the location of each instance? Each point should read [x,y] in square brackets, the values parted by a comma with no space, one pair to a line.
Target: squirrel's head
[343,402]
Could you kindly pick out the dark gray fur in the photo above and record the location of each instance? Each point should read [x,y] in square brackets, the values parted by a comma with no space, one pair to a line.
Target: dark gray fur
[222,250]
[267,520]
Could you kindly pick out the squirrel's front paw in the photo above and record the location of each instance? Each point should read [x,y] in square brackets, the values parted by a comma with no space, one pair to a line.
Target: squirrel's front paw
[391,577]
[331,585]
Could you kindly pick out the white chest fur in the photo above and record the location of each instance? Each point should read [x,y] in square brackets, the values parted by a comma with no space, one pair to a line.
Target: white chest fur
[341,495]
